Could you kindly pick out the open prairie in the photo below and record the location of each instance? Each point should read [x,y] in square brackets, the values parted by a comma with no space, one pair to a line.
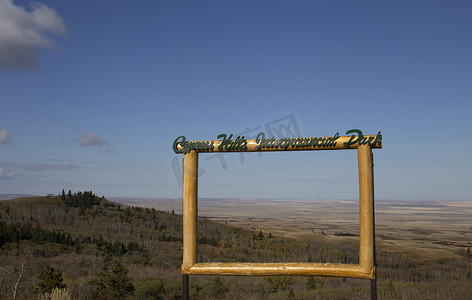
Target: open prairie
[423,230]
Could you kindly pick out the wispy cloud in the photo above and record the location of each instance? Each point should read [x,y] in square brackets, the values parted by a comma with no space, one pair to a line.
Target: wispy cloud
[5,134]
[23,33]
[91,139]
[65,165]
[310,179]
[73,161]
[7,174]
[12,171]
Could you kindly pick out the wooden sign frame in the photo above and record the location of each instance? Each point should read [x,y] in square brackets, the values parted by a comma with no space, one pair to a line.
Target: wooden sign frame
[364,144]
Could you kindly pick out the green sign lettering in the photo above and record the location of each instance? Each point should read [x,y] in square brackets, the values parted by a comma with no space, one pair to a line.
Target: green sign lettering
[284,143]
[189,146]
[361,139]
[228,144]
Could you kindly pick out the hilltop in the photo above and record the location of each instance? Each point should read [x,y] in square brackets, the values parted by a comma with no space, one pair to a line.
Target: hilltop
[72,232]
[14,196]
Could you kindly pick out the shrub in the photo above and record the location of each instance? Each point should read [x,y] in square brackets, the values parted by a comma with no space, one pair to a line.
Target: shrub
[49,279]
[150,288]
[56,294]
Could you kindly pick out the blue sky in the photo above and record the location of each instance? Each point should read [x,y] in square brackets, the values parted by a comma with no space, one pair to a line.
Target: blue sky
[95,92]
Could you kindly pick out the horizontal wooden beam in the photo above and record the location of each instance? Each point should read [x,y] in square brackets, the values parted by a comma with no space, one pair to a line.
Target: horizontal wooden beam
[303,269]
[261,143]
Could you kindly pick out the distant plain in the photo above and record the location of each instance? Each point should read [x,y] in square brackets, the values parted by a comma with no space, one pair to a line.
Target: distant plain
[422,230]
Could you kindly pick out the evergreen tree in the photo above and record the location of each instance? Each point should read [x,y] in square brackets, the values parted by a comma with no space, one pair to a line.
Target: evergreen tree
[313,283]
[217,288]
[260,236]
[69,198]
[112,281]
[48,280]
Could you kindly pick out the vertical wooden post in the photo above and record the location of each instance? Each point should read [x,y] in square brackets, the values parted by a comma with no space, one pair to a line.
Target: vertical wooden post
[190,186]
[373,282]
[189,212]
[366,198]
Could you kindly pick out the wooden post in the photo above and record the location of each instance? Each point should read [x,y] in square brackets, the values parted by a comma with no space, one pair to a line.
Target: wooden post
[189,212]
[366,198]
[190,186]
[373,282]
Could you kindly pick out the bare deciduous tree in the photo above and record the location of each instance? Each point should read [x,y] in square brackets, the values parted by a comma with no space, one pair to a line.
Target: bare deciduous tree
[13,272]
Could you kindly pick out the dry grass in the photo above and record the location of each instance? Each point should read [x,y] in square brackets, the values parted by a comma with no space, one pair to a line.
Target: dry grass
[56,294]
[420,229]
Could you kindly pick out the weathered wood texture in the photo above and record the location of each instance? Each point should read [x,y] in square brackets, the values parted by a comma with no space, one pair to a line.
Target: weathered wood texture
[365,269]
[338,145]
[303,269]
[190,209]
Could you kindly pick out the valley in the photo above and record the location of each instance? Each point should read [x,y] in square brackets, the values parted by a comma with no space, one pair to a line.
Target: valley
[422,230]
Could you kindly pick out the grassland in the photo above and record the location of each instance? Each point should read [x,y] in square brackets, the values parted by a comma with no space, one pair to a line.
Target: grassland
[422,230]
[423,248]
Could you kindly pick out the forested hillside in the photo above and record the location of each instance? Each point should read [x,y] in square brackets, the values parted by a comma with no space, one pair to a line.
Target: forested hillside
[92,248]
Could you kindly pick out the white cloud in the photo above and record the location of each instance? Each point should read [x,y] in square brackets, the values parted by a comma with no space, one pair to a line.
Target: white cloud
[13,171]
[23,32]
[91,139]
[6,174]
[5,135]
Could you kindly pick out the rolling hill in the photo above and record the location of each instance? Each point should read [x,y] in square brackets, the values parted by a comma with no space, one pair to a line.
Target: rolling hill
[74,233]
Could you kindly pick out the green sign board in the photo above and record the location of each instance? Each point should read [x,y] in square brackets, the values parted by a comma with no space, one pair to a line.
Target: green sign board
[227,143]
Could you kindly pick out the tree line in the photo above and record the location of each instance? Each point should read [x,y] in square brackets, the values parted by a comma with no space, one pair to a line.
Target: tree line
[85,199]
[14,233]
